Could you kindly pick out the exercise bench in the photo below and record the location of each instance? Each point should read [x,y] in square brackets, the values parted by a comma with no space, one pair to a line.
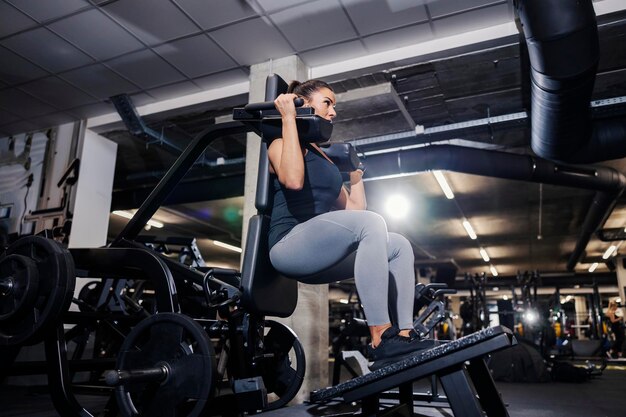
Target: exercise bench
[459,365]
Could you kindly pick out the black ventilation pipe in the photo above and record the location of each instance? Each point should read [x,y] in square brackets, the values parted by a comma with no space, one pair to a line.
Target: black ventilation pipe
[607,182]
[563,47]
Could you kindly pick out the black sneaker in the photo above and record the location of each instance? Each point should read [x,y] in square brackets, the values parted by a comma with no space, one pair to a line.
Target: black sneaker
[396,348]
[413,335]
[391,345]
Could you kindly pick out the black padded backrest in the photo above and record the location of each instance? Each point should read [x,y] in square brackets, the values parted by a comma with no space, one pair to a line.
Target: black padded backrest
[274,86]
[262,200]
[265,291]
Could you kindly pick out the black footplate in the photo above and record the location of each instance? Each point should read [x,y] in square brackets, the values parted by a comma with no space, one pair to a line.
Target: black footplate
[421,364]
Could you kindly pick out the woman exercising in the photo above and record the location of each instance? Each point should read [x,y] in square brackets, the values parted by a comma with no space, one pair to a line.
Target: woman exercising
[616,321]
[316,222]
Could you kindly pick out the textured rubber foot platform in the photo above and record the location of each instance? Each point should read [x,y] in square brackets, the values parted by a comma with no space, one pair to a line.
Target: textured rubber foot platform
[423,363]
[424,345]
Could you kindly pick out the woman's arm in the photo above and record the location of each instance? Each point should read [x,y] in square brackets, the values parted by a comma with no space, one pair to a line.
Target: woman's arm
[286,153]
[355,199]
[612,317]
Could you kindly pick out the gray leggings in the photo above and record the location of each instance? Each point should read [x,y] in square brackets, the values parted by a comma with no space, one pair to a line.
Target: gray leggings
[381,259]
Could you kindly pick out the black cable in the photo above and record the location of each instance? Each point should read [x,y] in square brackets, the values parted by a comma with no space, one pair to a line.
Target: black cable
[28,184]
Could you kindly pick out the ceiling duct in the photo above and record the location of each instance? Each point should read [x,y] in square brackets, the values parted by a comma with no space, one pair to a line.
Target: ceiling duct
[355,118]
[607,182]
[563,47]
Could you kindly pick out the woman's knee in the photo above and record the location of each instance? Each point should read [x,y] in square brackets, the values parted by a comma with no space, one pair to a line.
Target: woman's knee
[401,244]
[373,222]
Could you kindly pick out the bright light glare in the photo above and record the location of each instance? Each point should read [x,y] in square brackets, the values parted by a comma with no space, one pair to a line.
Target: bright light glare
[397,206]
[531,316]
[469,229]
[593,267]
[227,246]
[443,184]
[343,301]
[609,252]
[493,270]
[484,254]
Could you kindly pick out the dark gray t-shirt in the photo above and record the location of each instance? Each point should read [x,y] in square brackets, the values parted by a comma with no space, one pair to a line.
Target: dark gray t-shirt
[322,184]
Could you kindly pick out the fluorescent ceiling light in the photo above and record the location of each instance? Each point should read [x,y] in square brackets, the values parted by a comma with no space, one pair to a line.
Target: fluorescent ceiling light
[484,254]
[609,252]
[469,229]
[593,267]
[443,184]
[493,270]
[123,213]
[227,246]
[154,223]
[129,215]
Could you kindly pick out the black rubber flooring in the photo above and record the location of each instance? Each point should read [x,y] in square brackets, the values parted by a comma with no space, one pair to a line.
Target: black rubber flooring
[603,396]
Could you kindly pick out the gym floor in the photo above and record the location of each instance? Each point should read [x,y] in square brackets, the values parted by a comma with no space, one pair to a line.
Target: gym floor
[603,396]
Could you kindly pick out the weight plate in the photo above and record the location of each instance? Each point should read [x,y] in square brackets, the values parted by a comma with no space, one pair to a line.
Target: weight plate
[179,343]
[282,365]
[89,295]
[55,269]
[19,283]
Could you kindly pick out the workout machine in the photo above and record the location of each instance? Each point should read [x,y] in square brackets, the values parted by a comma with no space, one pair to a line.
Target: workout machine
[474,312]
[171,363]
[167,363]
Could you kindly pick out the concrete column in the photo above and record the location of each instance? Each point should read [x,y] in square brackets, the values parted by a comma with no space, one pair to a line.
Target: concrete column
[580,304]
[454,304]
[310,320]
[621,277]
[92,200]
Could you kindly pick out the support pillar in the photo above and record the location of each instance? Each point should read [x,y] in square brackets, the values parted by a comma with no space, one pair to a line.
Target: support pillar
[91,203]
[310,319]
[455,306]
[580,305]
[620,262]
[92,200]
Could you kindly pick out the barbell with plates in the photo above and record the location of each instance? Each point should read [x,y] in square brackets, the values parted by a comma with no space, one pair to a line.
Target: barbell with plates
[166,367]
[19,282]
[37,281]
